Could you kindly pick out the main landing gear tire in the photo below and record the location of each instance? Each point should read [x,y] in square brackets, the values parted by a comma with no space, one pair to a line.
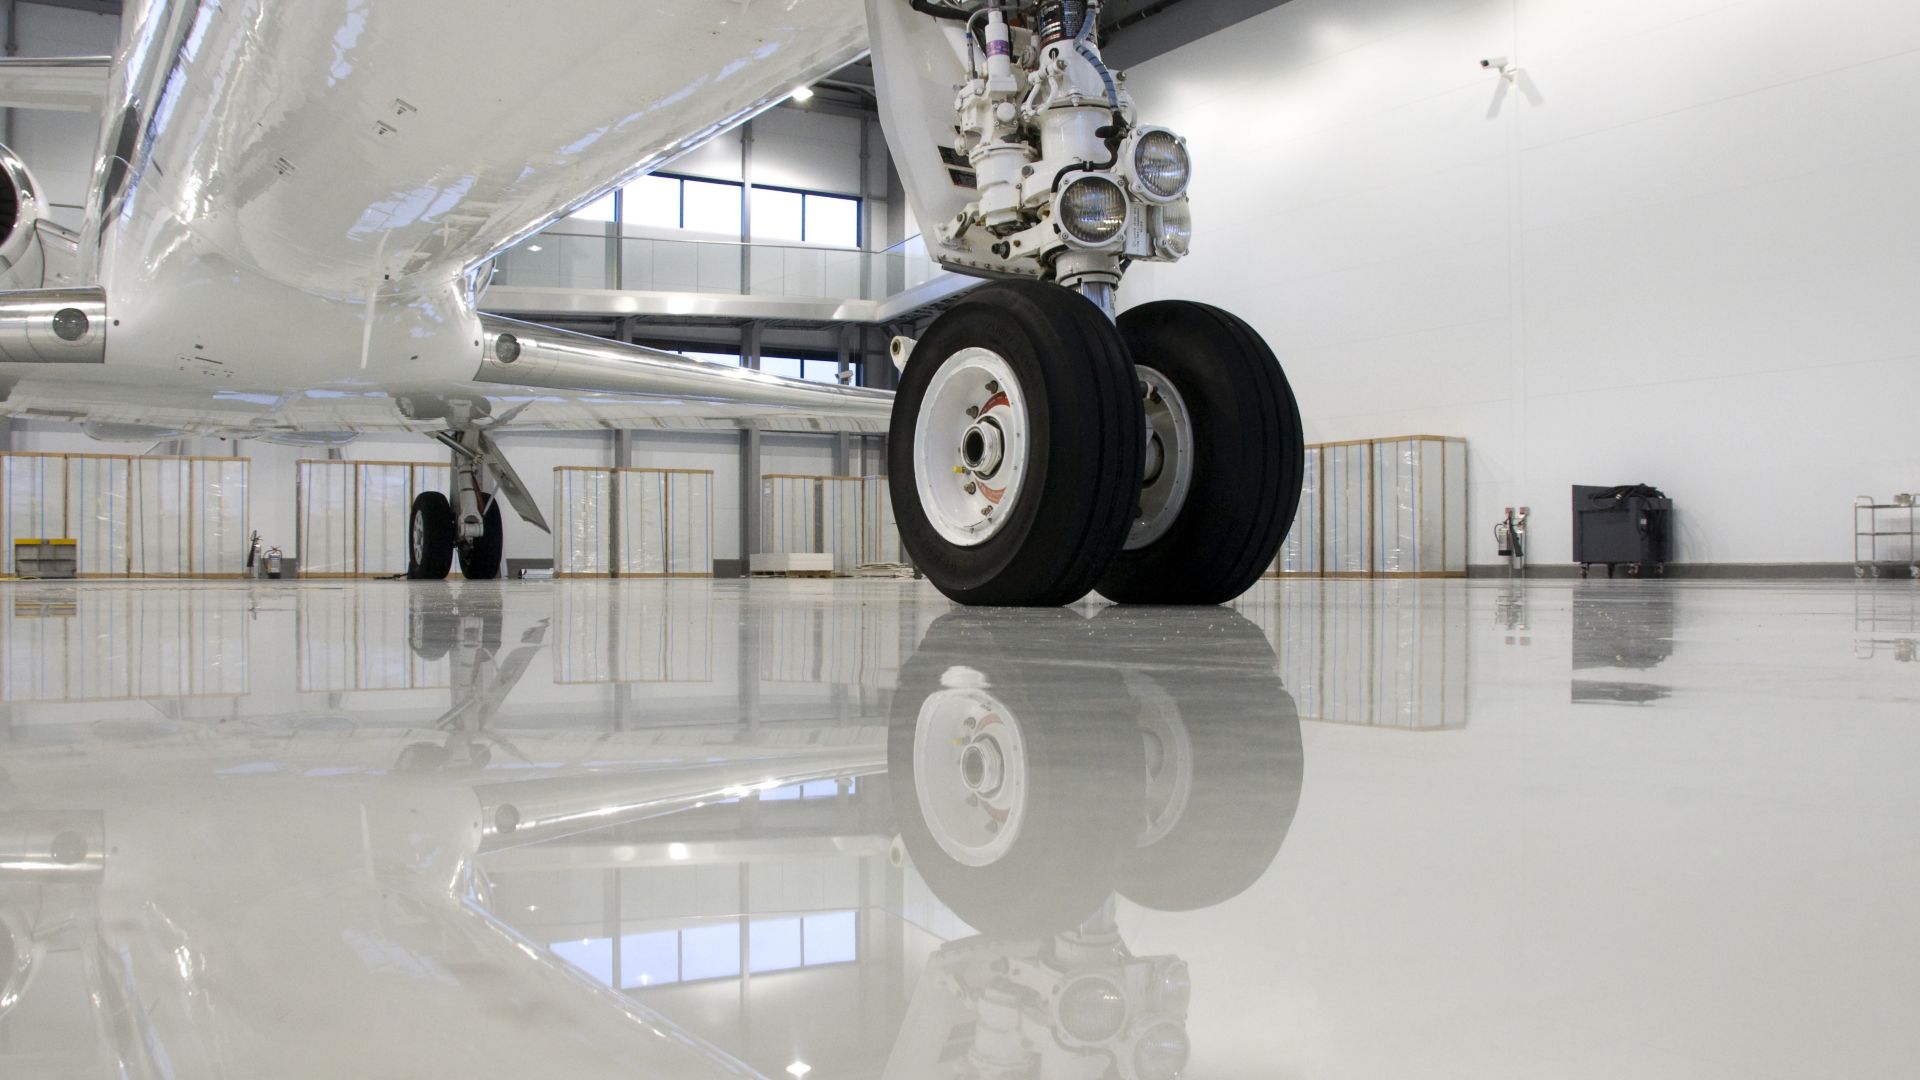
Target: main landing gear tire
[431,533]
[480,559]
[1225,458]
[1016,447]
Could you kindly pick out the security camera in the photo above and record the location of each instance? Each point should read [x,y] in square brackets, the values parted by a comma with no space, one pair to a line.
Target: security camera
[1495,62]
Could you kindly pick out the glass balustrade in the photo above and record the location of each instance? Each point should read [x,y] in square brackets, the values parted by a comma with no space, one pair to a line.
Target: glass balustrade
[556,260]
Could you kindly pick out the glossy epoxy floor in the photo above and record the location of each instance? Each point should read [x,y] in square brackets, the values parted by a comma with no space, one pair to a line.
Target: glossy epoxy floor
[1459,829]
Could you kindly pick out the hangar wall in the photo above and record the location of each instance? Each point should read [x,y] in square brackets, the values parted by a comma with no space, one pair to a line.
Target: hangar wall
[1684,250]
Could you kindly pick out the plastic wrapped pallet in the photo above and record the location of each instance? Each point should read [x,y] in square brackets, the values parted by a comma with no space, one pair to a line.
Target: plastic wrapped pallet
[324,534]
[36,499]
[880,534]
[789,514]
[383,513]
[162,517]
[1419,506]
[666,523]
[1345,508]
[217,525]
[100,513]
[583,521]
[643,522]
[1300,552]
[841,509]
[689,523]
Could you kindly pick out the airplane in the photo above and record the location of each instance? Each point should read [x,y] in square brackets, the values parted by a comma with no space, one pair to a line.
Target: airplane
[295,206]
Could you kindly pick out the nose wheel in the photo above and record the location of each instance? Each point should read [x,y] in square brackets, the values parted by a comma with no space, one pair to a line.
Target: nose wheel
[1015,450]
[1225,458]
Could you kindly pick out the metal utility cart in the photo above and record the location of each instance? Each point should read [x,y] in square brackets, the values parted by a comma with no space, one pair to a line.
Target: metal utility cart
[1883,536]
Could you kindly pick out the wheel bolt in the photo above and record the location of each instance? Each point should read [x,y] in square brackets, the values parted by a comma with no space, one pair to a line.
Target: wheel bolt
[973,412]
[971,487]
[987,509]
[993,388]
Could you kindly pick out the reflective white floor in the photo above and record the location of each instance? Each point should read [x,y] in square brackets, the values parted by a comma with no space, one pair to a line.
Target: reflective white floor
[836,829]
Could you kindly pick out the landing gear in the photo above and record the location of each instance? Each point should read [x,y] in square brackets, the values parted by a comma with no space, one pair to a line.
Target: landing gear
[1225,458]
[431,535]
[1015,449]
[480,557]
[1032,461]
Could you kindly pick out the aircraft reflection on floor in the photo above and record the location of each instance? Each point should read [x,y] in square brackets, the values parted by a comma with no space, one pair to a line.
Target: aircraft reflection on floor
[1007,751]
[1046,773]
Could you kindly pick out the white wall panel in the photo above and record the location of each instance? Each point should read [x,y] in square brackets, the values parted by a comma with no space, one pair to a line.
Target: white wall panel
[100,514]
[36,499]
[1681,252]
[219,528]
[326,523]
[162,516]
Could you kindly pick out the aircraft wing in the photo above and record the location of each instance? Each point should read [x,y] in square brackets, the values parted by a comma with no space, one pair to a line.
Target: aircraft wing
[65,83]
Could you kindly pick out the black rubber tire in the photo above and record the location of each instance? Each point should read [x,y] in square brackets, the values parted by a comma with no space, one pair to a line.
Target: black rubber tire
[1249,458]
[1243,740]
[1080,487]
[1081,810]
[432,515]
[480,560]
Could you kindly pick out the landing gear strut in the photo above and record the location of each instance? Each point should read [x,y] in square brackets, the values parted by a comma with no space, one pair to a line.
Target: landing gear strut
[469,524]
[1040,446]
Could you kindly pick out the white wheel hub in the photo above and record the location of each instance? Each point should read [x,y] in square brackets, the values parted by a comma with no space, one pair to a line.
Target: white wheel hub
[970,773]
[970,446]
[1167,466]
[419,538]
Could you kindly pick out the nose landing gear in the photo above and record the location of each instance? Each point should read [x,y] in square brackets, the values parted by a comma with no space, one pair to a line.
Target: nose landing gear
[1033,461]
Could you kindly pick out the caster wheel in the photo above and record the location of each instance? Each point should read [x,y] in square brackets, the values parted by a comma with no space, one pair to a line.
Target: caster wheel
[1015,447]
[1583,570]
[1225,458]
[430,538]
[480,560]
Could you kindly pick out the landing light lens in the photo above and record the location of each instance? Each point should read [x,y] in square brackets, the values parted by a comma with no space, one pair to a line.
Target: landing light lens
[1161,1053]
[1161,164]
[70,324]
[1092,1010]
[507,348]
[1172,229]
[1093,209]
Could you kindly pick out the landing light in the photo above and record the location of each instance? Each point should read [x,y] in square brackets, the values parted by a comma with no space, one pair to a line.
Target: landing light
[801,93]
[799,1068]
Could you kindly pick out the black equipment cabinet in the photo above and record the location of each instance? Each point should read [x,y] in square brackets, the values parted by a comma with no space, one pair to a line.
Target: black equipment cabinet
[1629,525]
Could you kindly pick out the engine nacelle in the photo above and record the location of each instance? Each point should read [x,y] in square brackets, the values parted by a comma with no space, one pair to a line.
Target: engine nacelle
[23,260]
[35,251]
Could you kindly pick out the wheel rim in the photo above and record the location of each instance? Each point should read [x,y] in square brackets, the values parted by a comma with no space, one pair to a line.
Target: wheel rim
[970,446]
[1169,761]
[970,772]
[1167,466]
[417,535]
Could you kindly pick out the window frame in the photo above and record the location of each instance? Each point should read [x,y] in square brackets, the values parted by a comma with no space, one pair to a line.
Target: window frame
[859,205]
